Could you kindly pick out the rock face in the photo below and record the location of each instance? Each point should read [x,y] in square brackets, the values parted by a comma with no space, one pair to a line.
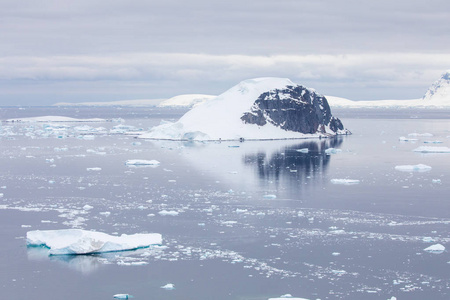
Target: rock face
[294,108]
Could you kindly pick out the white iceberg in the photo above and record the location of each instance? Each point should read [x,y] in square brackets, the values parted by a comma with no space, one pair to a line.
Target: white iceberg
[168,213]
[332,151]
[142,162]
[345,181]
[303,150]
[287,296]
[77,241]
[436,249]
[413,168]
[430,149]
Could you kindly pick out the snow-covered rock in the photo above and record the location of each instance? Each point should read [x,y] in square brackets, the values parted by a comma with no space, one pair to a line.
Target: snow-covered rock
[261,108]
[77,241]
[186,101]
[439,92]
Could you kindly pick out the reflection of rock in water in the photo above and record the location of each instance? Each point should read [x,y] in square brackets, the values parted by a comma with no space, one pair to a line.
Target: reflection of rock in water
[292,163]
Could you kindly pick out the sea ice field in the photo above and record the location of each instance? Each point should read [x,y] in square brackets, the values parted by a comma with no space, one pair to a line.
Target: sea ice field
[363,216]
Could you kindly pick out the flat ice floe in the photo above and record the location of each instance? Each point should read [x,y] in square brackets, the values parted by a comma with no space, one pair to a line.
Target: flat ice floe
[288,297]
[430,149]
[345,181]
[77,241]
[142,162]
[436,249]
[413,168]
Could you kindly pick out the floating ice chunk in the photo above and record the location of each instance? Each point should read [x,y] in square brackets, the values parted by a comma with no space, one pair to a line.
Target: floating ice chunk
[393,298]
[405,139]
[87,207]
[345,181]
[105,213]
[432,142]
[332,151]
[270,196]
[241,211]
[122,296]
[77,241]
[413,168]
[420,134]
[430,149]
[303,150]
[427,239]
[142,162]
[168,213]
[335,253]
[436,181]
[287,296]
[169,286]
[94,169]
[436,249]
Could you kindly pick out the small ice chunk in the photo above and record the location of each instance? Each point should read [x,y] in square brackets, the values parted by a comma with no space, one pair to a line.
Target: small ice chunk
[168,213]
[405,139]
[432,142]
[122,296]
[335,253]
[436,249]
[105,213]
[94,169]
[169,286]
[345,181]
[420,134]
[270,196]
[87,207]
[436,180]
[332,151]
[431,149]
[141,162]
[287,296]
[428,239]
[303,150]
[413,168]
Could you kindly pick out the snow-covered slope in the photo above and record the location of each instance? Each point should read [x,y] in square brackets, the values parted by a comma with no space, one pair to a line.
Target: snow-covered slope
[186,101]
[254,109]
[439,92]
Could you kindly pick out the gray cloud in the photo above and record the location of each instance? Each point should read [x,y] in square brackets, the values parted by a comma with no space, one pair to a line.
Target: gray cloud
[149,49]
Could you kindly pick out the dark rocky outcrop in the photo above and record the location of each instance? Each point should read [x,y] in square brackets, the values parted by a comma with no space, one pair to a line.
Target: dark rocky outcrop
[294,108]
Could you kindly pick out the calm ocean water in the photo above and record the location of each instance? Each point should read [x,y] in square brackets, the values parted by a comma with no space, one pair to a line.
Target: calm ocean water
[255,220]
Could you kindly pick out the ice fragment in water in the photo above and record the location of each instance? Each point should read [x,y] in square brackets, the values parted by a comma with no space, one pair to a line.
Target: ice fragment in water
[287,296]
[94,169]
[270,196]
[168,213]
[405,139]
[413,168]
[436,249]
[303,150]
[332,151]
[430,149]
[122,296]
[77,241]
[345,181]
[141,162]
[169,286]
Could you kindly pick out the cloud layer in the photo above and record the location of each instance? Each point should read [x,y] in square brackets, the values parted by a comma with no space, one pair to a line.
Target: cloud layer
[111,50]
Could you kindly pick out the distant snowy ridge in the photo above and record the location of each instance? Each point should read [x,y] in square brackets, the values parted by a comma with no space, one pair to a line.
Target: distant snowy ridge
[437,96]
[54,119]
[256,109]
[186,101]
[130,103]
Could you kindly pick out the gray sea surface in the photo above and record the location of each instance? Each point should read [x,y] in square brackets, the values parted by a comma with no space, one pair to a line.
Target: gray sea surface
[254,220]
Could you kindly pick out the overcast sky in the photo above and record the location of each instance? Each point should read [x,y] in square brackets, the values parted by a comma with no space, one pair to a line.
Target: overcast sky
[107,50]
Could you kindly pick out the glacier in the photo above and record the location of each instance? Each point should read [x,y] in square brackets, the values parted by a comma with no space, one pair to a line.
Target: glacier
[79,242]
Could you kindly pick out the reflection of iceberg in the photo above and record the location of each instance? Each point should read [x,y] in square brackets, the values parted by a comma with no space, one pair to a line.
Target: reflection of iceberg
[290,162]
[77,241]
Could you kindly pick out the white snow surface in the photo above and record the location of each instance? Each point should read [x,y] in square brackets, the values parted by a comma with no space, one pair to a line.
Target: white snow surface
[186,101]
[54,119]
[413,168]
[77,241]
[220,118]
[437,96]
